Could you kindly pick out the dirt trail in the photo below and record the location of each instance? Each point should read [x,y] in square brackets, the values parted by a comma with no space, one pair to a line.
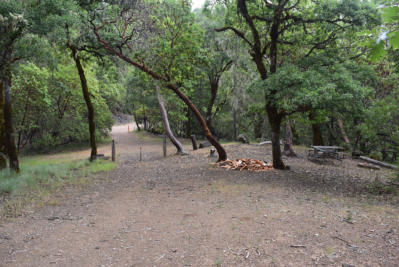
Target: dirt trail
[183,211]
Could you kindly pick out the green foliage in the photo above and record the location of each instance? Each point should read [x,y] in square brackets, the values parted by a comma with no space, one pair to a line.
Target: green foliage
[313,87]
[49,109]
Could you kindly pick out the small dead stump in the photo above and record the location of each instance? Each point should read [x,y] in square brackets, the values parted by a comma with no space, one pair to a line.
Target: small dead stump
[243,138]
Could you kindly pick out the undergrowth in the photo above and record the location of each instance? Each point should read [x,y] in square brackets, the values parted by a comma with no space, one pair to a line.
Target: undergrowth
[391,187]
[40,178]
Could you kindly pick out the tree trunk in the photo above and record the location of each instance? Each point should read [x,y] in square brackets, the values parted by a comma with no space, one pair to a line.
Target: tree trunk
[288,144]
[258,122]
[275,123]
[274,116]
[235,130]
[164,114]
[295,136]
[137,123]
[317,135]
[90,108]
[214,90]
[234,104]
[221,152]
[9,130]
[341,128]
[331,137]
[188,123]
[3,150]
[145,124]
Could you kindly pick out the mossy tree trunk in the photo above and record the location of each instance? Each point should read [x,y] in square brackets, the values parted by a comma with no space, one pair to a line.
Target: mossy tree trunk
[89,104]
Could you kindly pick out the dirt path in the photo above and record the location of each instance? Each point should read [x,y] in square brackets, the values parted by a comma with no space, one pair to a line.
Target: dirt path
[183,211]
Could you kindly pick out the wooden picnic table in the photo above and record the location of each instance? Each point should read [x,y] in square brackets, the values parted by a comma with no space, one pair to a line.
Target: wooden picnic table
[334,152]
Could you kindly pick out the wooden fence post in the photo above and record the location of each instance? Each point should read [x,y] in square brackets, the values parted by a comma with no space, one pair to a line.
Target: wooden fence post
[113,150]
[164,145]
[194,141]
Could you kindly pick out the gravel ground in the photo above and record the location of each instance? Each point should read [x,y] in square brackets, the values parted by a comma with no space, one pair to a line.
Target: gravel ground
[184,211]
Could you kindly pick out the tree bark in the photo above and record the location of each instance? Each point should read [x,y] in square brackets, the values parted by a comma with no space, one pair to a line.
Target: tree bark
[9,130]
[235,129]
[214,90]
[90,108]
[288,144]
[317,135]
[188,123]
[169,133]
[3,150]
[275,123]
[258,122]
[274,116]
[137,123]
[234,104]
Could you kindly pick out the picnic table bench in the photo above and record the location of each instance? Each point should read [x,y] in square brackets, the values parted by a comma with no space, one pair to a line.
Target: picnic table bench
[333,152]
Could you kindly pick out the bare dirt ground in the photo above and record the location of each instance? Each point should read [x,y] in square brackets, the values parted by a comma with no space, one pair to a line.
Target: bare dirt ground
[183,211]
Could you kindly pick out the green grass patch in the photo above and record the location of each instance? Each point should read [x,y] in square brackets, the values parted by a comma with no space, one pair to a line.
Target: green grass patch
[40,178]
[146,136]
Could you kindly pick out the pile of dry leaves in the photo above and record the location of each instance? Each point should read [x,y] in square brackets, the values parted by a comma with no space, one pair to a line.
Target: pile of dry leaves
[245,164]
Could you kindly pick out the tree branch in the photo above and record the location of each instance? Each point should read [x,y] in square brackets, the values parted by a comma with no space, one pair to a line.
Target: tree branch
[237,32]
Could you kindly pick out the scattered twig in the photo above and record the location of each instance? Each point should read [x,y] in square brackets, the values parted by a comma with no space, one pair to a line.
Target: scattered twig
[247,254]
[298,246]
[346,242]
[159,258]
[348,221]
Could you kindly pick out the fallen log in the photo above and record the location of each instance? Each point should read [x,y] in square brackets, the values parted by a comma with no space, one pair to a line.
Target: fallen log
[368,166]
[265,143]
[379,163]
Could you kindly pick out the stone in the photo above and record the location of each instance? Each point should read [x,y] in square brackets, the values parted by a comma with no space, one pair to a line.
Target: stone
[243,138]
[204,144]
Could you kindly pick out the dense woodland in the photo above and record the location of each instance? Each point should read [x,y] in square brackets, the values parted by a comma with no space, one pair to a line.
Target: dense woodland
[321,72]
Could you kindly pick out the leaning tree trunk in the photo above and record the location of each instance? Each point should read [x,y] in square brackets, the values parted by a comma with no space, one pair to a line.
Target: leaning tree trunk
[221,152]
[317,135]
[3,150]
[164,114]
[288,144]
[9,130]
[90,108]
